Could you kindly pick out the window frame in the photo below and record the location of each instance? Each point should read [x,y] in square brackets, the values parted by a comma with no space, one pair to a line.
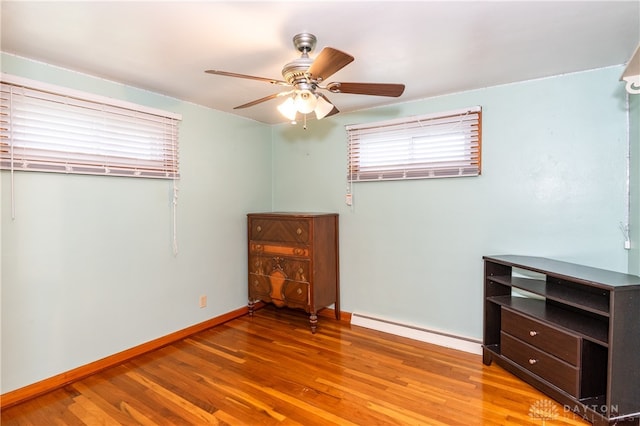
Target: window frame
[435,157]
[69,131]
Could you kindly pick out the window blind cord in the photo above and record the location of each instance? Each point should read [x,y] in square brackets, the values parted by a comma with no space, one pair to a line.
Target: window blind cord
[13,190]
[174,214]
[624,226]
[349,196]
[13,196]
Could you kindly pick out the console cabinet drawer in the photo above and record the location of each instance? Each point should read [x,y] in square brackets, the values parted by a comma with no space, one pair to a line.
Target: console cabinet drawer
[550,368]
[551,340]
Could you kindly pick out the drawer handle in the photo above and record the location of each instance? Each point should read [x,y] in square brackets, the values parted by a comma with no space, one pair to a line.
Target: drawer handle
[298,231]
[533,333]
[533,361]
[258,228]
[299,291]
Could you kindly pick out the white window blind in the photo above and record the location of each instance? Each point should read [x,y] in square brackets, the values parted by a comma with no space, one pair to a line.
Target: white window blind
[51,129]
[429,146]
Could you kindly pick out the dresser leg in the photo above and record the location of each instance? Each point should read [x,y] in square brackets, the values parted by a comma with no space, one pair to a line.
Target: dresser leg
[313,320]
[251,305]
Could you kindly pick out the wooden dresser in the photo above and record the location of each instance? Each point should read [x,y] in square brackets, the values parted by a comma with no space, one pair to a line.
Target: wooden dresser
[294,262]
[571,331]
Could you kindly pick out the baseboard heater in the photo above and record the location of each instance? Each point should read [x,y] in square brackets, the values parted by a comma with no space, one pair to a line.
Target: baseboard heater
[439,338]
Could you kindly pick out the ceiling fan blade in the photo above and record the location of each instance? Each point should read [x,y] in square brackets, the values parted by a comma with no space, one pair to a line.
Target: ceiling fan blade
[250,77]
[376,89]
[259,101]
[328,62]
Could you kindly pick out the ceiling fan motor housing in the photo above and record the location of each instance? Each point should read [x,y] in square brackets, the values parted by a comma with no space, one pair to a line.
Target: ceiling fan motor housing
[304,42]
[295,72]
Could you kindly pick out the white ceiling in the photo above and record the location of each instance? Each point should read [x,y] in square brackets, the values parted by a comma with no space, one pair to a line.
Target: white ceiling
[433,47]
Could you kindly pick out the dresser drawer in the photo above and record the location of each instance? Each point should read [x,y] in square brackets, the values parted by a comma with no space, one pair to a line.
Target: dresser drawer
[280,288]
[296,293]
[259,287]
[551,340]
[291,268]
[280,230]
[285,250]
[550,368]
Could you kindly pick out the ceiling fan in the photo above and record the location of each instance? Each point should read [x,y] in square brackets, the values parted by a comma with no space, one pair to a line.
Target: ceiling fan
[307,76]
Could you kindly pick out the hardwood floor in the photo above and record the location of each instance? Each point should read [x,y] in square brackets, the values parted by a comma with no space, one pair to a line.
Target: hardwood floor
[270,370]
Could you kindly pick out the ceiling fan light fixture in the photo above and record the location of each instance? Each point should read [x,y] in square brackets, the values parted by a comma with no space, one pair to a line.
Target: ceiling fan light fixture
[323,107]
[305,75]
[288,109]
[306,101]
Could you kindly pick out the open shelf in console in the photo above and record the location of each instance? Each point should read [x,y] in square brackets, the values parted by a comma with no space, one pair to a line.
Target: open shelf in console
[590,299]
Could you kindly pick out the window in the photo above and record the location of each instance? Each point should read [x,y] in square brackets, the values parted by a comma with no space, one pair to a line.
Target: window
[429,146]
[52,129]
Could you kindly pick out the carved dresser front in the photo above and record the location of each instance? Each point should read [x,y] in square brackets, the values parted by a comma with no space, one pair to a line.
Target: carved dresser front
[293,261]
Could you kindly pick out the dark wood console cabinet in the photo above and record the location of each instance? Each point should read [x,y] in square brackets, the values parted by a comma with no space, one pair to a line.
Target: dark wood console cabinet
[571,331]
[293,261]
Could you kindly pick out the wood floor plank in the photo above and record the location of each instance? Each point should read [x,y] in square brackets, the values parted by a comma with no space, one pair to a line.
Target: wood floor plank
[134,395]
[271,370]
[107,399]
[189,411]
[89,413]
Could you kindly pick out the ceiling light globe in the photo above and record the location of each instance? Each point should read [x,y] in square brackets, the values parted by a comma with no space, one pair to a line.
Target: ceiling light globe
[323,107]
[306,101]
[288,109]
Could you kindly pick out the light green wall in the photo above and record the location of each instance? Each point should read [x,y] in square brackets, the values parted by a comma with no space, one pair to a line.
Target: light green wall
[87,264]
[552,185]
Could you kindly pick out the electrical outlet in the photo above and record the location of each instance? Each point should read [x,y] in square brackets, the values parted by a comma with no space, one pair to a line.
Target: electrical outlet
[203,301]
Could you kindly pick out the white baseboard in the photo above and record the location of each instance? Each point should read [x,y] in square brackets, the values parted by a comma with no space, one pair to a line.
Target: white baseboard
[429,336]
